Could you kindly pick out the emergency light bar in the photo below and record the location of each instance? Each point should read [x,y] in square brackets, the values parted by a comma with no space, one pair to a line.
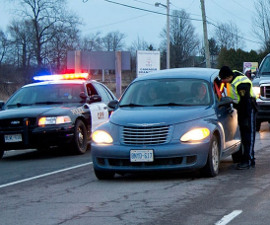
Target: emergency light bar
[70,76]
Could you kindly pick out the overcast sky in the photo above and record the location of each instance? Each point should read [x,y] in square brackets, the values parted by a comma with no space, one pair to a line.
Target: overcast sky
[135,20]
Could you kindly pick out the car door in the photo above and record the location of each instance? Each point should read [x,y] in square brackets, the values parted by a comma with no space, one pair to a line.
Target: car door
[99,110]
[227,116]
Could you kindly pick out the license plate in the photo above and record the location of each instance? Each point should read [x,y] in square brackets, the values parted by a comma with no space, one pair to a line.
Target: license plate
[141,156]
[13,138]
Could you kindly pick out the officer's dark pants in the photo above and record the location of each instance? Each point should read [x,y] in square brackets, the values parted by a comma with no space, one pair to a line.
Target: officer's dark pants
[248,133]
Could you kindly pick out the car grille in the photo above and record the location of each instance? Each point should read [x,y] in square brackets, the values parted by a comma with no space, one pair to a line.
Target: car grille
[145,135]
[125,163]
[16,123]
[265,91]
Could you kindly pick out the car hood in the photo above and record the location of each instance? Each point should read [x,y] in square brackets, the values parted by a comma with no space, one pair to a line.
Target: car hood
[261,80]
[159,115]
[33,111]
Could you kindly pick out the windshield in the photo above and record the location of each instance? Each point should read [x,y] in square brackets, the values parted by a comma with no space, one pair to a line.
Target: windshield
[46,94]
[265,67]
[167,92]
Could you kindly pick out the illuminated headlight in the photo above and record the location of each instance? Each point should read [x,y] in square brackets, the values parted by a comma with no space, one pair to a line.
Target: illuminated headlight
[101,137]
[43,121]
[256,91]
[196,134]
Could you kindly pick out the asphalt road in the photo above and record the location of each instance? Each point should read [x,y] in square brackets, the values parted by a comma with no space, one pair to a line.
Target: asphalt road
[55,188]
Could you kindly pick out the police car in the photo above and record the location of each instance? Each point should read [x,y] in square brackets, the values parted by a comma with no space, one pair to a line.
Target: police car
[59,110]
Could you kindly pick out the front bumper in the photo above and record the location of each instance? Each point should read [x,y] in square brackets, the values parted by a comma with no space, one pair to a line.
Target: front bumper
[38,137]
[263,113]
[166,157]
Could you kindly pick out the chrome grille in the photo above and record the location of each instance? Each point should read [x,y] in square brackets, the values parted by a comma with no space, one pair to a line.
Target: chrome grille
[265,91]
[145,135]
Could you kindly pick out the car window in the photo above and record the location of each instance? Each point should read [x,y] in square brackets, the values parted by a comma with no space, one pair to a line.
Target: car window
[265,67]
[167,92]
[105,95]
[91,90]
[46,94]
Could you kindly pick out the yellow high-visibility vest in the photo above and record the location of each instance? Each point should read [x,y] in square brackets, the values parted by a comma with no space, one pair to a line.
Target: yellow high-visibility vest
[232,87]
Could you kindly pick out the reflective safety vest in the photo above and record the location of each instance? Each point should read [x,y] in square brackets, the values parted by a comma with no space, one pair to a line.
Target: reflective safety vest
[232,87]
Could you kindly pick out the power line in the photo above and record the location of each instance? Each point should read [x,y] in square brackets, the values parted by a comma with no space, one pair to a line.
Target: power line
[155,12]
[146,10]
[229,11]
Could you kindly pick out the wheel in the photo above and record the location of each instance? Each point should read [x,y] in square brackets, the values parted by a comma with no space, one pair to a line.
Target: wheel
[80,144]
[236,157]
[104,175]
[212,166]
[258,125]
[1,153]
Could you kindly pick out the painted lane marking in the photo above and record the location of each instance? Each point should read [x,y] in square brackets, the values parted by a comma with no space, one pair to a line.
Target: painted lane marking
[44,175]
[226,219]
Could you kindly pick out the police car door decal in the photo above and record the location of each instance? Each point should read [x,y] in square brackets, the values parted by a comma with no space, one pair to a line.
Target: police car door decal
[99,113]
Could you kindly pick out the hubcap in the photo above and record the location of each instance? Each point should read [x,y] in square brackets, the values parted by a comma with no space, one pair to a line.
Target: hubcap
[80,136]
[215,155]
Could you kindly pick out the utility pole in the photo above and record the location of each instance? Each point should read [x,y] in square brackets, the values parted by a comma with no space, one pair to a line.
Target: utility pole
[206,43]
[157,4]
[168,34]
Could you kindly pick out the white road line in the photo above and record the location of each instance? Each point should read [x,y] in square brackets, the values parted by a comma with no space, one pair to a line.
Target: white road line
[44,175]
[226,219]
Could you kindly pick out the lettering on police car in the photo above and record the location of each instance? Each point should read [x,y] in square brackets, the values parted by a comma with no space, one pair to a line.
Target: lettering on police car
[100,115]
[77,111]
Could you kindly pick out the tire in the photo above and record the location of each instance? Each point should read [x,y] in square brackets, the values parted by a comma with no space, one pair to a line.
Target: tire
[1,153]
[104,175]
[211,168]
[258,125]
[80,144]
[236,157]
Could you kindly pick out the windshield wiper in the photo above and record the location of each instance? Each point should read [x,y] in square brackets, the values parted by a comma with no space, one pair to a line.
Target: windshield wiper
[130,105]
[268,72]
[171,104]
[19,105]
[47,103]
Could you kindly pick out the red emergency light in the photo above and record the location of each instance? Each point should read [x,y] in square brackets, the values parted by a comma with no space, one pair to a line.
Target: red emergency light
[69,76]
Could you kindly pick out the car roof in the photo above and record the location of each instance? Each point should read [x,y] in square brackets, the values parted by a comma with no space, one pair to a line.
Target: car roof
[60,82]
[190,72]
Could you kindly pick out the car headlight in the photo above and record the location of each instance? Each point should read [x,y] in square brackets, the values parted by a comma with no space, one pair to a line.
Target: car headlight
[256,91]
[101,137]
[196,134]
[43,121]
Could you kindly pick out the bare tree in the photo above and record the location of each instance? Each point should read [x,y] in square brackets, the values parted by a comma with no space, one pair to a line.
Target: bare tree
[113,41]
[66,38]
[261,23]
[21,44]
[4,44]
[184,42]
[45,15]
[228,36]
[92,42]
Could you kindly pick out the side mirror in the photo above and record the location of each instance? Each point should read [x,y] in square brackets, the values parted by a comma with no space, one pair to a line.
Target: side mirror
[1,104]
[95,98]
[113,104]
[225,101]
[83,95]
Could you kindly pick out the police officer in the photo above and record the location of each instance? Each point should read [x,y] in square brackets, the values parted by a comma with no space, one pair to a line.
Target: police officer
[239,88]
